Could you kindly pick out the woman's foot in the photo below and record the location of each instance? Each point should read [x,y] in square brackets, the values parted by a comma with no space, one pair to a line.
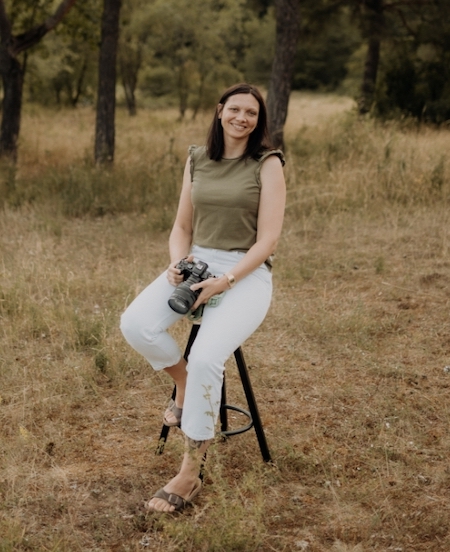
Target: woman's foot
[186,484]
[172,416]
[176,495]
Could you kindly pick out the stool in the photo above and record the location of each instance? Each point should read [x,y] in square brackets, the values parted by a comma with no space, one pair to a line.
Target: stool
[252,414]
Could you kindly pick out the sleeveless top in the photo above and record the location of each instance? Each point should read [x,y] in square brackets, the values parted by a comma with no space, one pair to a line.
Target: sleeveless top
[225,197]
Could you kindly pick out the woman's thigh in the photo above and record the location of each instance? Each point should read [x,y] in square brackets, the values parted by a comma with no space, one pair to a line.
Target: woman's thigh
[242,309]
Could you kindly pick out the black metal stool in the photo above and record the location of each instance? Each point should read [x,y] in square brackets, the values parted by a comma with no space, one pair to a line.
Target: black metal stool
[252,414]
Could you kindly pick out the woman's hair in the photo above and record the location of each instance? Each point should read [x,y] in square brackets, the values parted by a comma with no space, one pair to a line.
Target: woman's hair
[258,140]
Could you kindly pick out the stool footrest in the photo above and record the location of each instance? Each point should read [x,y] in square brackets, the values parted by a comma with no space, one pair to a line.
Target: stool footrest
[229,432]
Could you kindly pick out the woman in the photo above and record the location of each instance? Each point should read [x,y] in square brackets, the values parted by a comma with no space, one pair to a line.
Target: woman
[230,216]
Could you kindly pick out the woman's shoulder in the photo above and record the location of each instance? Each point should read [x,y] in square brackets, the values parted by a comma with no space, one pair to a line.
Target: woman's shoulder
[196,151]
[197,157]
[268,153]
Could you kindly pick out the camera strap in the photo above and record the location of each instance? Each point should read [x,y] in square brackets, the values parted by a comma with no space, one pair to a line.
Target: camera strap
[214,301]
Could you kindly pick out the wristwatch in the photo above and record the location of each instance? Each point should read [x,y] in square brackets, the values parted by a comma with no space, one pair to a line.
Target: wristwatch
[231,280]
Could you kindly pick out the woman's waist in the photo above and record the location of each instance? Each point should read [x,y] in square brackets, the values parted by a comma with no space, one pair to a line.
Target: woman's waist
[221,260]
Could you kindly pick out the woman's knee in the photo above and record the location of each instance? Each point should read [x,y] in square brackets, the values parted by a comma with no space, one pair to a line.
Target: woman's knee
[134,331]
[128,326]
[206,367]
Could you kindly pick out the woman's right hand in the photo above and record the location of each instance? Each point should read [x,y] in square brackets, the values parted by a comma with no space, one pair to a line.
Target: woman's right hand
[174,275]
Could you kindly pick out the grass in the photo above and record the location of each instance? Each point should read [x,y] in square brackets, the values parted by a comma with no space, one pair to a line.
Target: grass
[350,368]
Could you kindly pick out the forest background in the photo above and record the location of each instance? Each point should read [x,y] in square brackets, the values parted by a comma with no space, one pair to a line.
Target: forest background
[351,366]
[392,55]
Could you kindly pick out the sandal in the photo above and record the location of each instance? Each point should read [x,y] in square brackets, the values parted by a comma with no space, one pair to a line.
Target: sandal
[175,500]
[176,411]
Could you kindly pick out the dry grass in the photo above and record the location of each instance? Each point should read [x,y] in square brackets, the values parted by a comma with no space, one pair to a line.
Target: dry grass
[351,368]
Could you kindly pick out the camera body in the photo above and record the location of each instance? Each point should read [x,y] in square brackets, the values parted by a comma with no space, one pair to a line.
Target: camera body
[183,297]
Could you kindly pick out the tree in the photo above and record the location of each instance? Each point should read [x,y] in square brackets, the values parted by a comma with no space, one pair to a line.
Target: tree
[415,73]
[373,25]
[61,69]
[106,99]
[12,71]
[328,40]
[131,48]
[280,84]
[130,62]
[196,45]
[408,44]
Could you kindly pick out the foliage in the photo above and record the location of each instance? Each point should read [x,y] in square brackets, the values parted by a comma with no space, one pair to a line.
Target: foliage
[257,62]
[415,75]
[63,68]
[61,72]
[27,13]
[176,52]
[199,44]
[328,40]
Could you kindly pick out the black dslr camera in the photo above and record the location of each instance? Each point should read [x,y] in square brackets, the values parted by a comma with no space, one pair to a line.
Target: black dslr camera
[183,297]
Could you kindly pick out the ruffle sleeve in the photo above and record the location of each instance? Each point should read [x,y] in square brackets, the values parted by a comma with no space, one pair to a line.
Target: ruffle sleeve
[191,150]
[264,156]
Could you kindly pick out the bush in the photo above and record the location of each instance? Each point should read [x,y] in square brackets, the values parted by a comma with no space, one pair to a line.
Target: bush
[158,81]
[415,85]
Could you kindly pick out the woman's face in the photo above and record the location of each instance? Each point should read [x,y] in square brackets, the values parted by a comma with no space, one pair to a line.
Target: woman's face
[239,115]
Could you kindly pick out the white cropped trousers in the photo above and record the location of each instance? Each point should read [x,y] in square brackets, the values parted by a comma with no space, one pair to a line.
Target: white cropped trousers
[223,329]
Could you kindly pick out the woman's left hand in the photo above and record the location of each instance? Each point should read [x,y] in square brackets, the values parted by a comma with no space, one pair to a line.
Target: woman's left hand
[209,287]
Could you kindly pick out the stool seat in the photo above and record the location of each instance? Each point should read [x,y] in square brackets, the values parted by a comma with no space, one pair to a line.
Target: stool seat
[252,414]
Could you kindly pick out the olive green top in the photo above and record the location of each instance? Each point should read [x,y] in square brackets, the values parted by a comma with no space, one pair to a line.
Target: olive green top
[225,197]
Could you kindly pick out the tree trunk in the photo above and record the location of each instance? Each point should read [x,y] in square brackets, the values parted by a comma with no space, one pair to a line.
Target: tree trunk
[287,36]
[12,76]
[130,98]
[13,72]
[183,90]
[74,98]
[129,81]
[200,90]
[373,27]
[130,61]
[106,97]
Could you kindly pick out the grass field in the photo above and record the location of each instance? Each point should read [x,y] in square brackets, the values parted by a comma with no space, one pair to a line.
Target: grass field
[351,368]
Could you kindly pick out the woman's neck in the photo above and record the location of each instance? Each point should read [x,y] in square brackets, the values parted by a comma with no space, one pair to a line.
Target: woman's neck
[234,148]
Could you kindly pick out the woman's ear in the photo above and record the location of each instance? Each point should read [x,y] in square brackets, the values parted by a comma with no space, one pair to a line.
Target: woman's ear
[219,110]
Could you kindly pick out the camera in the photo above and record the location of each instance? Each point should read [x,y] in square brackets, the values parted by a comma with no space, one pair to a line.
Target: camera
[183,297]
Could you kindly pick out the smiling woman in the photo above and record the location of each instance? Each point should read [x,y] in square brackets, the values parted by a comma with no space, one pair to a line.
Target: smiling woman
[240,125]
[239,118]
[229,220]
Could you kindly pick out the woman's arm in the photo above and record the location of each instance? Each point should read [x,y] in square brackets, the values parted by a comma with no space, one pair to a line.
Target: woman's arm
[270,222]
[181,235]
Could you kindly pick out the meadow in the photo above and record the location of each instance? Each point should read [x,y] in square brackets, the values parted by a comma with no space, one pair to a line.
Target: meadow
[351,368]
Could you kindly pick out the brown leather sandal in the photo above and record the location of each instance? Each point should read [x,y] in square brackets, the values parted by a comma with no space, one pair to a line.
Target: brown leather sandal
[176,411]
[175,500]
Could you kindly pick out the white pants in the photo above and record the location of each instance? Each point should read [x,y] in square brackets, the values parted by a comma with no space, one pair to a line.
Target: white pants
[223,329]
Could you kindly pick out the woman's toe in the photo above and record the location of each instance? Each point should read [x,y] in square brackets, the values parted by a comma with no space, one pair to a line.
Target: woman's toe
[159,505]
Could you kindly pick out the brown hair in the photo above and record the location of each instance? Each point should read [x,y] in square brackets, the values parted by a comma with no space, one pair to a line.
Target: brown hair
[258,141]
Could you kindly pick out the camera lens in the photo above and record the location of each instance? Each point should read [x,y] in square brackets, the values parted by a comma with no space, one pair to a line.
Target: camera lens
[178,304]
[183,297]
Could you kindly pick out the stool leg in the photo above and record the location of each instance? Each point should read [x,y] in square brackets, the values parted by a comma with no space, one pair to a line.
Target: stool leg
[165,429]
[223,410]
[252,406]
[246,384]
